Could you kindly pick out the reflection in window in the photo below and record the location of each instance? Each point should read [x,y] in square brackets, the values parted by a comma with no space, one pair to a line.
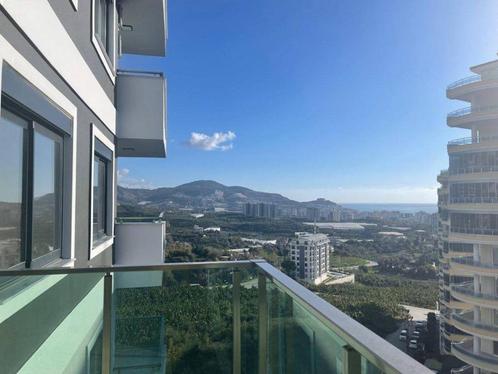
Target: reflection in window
[46,192]
[103,24]
[12,139]
[99,198]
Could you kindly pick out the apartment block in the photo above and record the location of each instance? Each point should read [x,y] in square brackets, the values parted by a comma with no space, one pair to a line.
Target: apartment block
[468,214]
[310,253]
[261,210]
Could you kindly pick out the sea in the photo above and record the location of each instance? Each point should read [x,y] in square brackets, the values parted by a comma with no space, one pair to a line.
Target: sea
[403,208]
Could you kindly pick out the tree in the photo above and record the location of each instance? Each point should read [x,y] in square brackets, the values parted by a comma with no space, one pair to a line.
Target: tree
[431,339]
[289,268]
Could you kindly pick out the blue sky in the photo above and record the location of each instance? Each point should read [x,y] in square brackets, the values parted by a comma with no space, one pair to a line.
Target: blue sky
[337,99]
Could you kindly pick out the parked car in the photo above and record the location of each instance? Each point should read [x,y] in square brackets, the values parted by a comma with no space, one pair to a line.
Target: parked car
[413,344]
[403,335]
[416,334]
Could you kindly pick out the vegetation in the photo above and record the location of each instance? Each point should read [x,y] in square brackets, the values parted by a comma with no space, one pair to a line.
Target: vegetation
[340,261]
[374,300]
[192,315]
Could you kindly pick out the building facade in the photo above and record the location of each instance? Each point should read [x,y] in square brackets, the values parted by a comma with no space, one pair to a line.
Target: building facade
[310,254]
[67,114]
[261,210]
[468,213]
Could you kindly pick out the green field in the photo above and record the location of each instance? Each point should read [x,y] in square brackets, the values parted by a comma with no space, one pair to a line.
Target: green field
[340,261]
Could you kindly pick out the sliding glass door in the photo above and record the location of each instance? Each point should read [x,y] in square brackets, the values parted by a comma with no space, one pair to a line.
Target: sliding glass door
[13,139]
[47,170]
[30,191]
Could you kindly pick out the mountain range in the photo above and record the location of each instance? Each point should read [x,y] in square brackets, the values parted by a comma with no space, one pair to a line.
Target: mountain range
[206,194]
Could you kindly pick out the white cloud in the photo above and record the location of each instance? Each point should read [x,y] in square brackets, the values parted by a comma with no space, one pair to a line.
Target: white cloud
[126,180]
[219,141]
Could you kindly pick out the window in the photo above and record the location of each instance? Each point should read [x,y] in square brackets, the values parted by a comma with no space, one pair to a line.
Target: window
[99,198]
[101,193]
[31,189]
[102,23]
[104,15]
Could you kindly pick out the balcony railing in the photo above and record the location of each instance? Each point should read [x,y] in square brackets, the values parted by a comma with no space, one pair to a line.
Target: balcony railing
[467,369]
[464,81]
[467,320]
[472,140]
[472,110]
[472,262]
[474,200]
[474,169]
[465,351]
[469,290]
[212,317]
[139,219]
[474,230]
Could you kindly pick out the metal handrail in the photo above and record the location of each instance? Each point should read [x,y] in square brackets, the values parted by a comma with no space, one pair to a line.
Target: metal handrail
[472,323]
[472,140]
[471,261]
[461,82]
[125,268]
[473,200]
[466,347]
[467,369]
[474,230]
[140,73]
[474,169]
[470,292]
[139,219]
[472,110]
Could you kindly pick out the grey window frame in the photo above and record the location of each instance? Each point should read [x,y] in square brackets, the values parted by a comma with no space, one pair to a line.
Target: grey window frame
[105,154]
[108,50]
[36,123]
[19,95]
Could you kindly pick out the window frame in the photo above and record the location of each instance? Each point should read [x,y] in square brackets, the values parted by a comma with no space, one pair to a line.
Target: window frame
[102,147]
[108,58]
[36,123]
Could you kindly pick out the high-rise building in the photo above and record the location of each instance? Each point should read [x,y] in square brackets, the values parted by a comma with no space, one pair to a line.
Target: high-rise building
[310,254]
[468,211]
[261,210]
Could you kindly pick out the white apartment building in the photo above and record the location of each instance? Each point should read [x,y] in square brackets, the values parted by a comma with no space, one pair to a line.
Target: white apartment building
[468,203]
[310,253]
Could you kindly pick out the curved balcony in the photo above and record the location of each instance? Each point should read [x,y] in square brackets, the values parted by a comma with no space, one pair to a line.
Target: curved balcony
[467,369]
[463,88]
[472,140]
[467,294]
[443,176]
[466,323]
[464,81]
[474,200]
[476,267]
[473,235]
[465,352]
[465,116]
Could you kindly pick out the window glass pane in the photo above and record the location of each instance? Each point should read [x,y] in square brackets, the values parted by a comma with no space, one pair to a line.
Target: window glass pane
[12,133]
[103,26]
[47,195]
[99,198]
